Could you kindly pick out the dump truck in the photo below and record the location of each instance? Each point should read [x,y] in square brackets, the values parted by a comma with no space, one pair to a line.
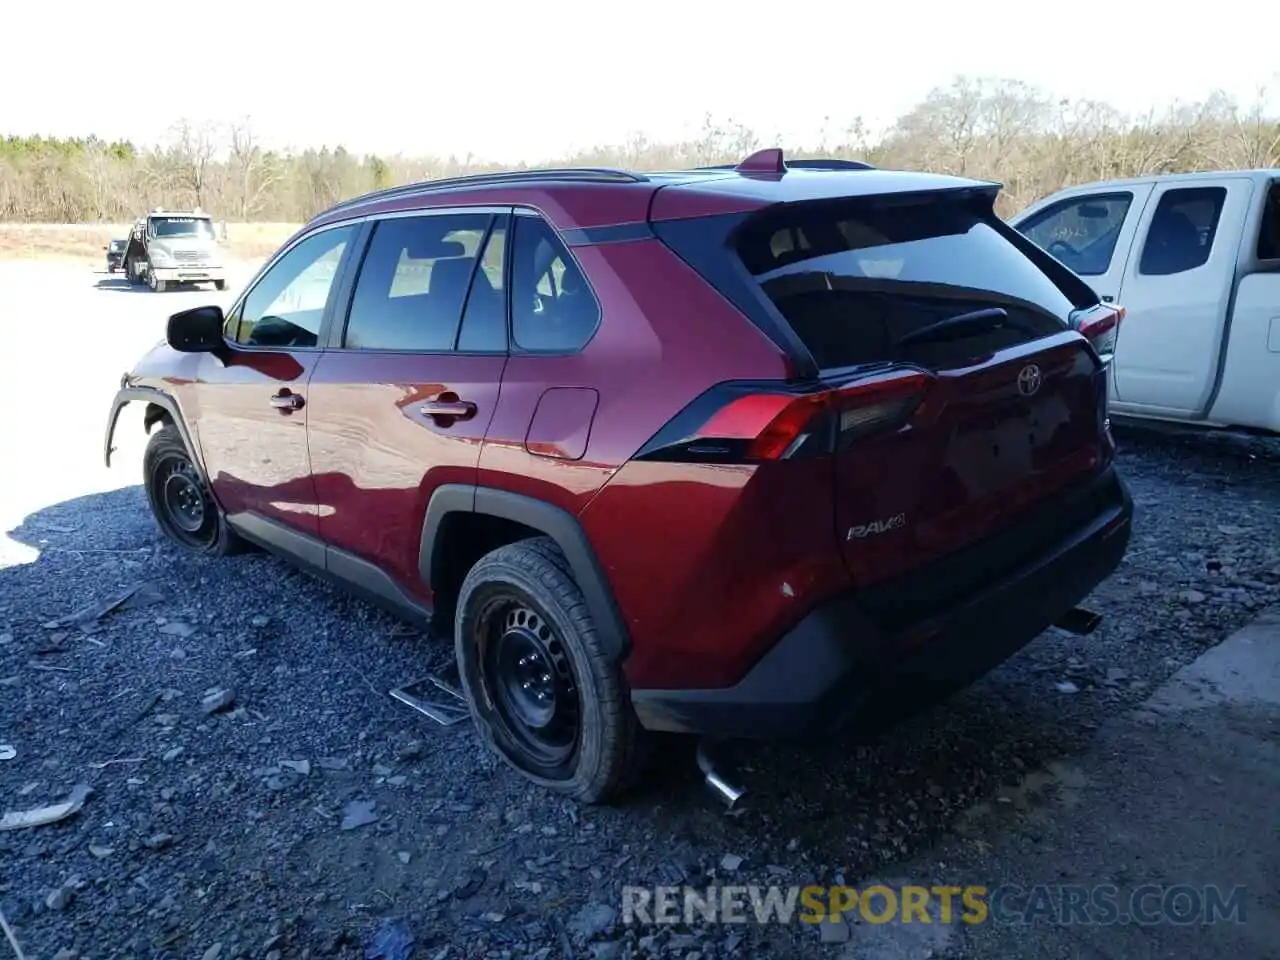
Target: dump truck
[166,248]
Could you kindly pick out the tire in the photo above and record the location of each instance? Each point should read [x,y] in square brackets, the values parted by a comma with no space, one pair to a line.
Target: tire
[180,501]
[517,599]
[155,283]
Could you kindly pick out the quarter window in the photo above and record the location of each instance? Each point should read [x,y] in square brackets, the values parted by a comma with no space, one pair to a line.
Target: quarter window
[1081,232]
[1182,231]
[414,283]
[286,306]
[552,308]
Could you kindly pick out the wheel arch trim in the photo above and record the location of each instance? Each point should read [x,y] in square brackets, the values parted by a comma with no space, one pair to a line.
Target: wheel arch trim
[165,402]
[555,522]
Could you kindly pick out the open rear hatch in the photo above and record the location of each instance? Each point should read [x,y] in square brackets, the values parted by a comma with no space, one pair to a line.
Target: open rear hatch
[958,397]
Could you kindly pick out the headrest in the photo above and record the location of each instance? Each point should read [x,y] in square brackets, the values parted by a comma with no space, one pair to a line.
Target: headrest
[432,249]
[454,272]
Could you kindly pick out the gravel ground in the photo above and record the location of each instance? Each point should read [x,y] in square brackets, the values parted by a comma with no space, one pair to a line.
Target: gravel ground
[237,832]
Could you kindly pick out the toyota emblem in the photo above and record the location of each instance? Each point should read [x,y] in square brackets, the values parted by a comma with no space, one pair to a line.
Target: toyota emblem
[1029,379]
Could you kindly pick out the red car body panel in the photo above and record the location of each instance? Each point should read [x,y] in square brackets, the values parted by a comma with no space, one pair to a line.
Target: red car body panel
[698,554]
[256,454]
[377,458]
[708,562]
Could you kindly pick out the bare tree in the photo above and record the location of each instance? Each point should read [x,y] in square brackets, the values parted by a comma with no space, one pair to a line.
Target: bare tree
[255,171]
[192,151]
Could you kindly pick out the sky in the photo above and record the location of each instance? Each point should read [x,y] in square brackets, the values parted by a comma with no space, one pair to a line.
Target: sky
[517,81]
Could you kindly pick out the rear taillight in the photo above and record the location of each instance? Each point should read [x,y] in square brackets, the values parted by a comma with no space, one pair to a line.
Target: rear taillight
[1101,327]
[753,423]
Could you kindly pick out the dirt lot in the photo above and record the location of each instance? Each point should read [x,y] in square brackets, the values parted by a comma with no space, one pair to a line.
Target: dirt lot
[43,241]
[238,833]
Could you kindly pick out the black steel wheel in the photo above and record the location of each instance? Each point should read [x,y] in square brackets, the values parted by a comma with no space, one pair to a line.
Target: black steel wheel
[529,679]
[544,693]
[180,500]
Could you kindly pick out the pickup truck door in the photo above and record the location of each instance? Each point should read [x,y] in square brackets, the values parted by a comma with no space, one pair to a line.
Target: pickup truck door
[1089,230]
[1176,289]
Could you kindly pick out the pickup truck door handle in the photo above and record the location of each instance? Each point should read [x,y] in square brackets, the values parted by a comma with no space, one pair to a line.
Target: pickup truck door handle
[284,400]
[448,408]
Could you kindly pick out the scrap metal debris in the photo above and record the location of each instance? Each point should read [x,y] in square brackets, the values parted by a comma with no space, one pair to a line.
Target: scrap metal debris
[358,813]
[7,751]
[393,940]
[434,697]
[217,699]
[9,935]
[142,595]
[38,817]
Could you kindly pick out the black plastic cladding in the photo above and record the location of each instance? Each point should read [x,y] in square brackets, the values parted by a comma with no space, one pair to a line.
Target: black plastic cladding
[704,244]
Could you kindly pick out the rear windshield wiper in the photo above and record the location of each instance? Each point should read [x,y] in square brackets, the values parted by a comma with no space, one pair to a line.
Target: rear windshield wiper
[988,318]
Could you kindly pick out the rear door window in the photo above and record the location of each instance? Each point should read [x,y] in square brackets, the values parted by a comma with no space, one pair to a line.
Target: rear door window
[1182,231]
[859,281]
[414,282]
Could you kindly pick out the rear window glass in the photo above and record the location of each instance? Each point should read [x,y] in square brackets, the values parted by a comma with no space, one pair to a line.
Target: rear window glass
[858,282]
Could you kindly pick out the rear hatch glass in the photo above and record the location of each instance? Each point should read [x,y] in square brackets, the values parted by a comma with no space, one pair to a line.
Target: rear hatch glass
[853,279]
[934,282]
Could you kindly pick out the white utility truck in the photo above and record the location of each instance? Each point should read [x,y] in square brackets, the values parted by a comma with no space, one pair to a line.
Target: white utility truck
[1194,259]
[166,248]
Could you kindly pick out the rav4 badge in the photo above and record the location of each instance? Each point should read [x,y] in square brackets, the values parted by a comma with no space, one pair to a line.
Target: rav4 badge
[877,527]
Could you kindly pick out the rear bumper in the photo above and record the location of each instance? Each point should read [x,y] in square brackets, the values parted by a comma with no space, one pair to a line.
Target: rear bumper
[863,661]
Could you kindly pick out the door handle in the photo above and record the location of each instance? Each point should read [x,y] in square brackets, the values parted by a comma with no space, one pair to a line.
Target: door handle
[287,401]
[449,408]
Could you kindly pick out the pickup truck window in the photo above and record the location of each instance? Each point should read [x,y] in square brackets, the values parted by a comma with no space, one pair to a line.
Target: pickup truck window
[1269,235]
[1081,231]
[1182,231]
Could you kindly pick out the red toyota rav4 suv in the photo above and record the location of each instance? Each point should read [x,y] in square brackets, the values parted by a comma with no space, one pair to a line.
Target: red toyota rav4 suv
[743,452]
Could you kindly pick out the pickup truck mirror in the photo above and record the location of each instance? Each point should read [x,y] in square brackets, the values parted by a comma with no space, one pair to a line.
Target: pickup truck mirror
[198,330]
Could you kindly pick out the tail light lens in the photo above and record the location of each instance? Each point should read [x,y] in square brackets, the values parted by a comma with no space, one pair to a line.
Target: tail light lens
[753,423]
[1101,327]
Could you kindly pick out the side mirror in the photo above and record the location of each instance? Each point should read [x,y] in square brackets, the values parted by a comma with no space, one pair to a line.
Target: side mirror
[104,248]
[198,330]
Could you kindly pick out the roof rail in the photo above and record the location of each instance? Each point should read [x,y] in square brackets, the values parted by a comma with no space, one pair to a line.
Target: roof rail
[534,175]
[772,161]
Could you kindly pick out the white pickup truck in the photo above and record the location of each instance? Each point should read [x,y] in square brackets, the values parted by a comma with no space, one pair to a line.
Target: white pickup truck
[1195,261]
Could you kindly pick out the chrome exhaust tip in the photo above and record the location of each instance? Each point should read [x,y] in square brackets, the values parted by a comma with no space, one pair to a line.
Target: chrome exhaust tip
[722,788]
